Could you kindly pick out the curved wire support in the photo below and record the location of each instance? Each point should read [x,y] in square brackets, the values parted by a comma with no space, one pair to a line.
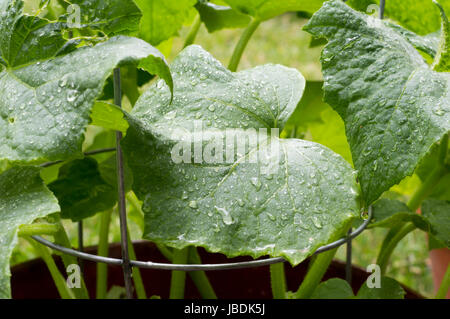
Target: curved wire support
[202,267]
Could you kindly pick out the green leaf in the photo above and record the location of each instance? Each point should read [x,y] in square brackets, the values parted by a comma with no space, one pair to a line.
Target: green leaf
[267,9]
[389,213]
[109,116]
[421,17]
[442,59]
[45,106]
[217,17]
[162,19]
[437,213]
[113,17]
[24,38]
[284,202]
[334,288]
[390,289]
[81,190]
[394,106]
[24,198]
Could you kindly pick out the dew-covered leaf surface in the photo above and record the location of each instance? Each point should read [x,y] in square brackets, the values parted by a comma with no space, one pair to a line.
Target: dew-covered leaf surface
[394,105]
[112,17]
[205,181]
[23,199]
[45,106]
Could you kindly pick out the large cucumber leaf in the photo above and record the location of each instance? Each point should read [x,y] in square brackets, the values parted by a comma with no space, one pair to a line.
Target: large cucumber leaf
[45,106]
[278,197]
[23,199]
[394,106]
[162,19]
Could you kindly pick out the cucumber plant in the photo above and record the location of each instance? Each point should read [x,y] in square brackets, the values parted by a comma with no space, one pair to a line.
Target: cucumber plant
[205,162]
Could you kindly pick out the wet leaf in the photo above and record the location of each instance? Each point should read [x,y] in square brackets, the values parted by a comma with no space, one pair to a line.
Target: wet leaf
[389,289]
[23,199]
[394,106]
[278,197]
[45,106]
[334,288]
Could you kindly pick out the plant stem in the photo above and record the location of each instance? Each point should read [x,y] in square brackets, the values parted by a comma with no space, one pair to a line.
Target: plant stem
[385,254]
[240,47]
[199,277]
[193,32]
[178,282]
[445,285]
[278,281]
[38,229]
[166,252]
[58,278]
[103,249]
[61,238]
[137,277]
[315,274]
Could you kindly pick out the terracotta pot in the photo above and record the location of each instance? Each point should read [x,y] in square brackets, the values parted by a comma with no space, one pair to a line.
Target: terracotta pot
[32,280]
[440,259]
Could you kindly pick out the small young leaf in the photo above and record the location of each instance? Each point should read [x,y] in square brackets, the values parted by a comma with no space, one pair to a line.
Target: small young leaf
[334,288]
[389,289]
[394,106]
[162,19]
[234,205]
[109,116]
[23,199]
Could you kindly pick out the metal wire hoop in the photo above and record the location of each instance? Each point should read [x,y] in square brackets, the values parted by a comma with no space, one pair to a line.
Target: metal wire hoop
[202,267]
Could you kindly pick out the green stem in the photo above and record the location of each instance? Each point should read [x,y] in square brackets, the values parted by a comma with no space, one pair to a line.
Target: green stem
[193,32]
[137,277]
[315,274]
[385,254]
[58,278]
[38,229]
[165,251]
[278,281]
[178,282]
[62,239]
[103,250]
[445,285]
[240,47]
[199,277]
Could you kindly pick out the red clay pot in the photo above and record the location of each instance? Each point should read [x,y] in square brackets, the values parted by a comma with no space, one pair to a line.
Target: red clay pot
[31,280]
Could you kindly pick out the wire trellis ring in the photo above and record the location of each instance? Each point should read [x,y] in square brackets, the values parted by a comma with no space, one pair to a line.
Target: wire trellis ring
[193,267]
